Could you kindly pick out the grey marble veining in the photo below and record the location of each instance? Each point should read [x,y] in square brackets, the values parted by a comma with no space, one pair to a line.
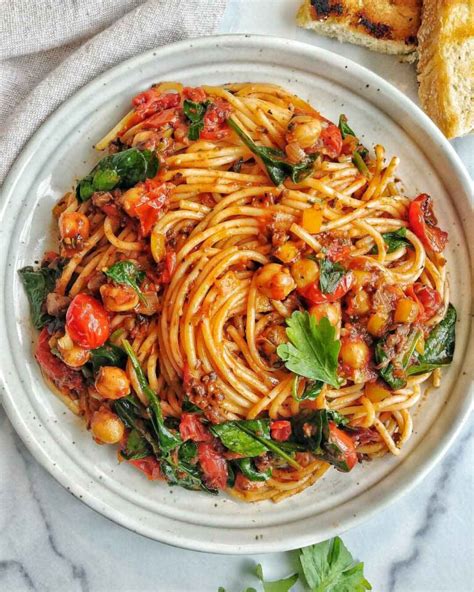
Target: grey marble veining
[51,542]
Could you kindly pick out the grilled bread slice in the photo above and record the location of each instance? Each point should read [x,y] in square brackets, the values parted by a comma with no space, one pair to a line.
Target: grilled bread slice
[446,64]
[387,26]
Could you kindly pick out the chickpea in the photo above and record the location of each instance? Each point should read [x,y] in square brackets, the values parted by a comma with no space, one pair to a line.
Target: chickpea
[118,298]
[304,129]
[355,353]
[305,272]
[330,310]
[359,303]
[107,427]
[112,382]
[73,226]
[275,281]
[71,354]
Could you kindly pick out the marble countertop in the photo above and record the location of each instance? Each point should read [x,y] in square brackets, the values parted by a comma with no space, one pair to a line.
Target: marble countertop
[50,541]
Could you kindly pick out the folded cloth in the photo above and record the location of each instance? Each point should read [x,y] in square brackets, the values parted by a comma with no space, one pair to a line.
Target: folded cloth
[51,48]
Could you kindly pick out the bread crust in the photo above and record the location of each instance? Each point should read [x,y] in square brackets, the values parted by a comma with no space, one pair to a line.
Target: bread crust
[446,65]
[381,25]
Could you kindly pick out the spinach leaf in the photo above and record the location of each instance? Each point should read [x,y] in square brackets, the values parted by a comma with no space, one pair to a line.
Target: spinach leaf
[344,127]
[394,240]
[395,378]
[136,446]
[167,439]
[311,428]
[248,469]
[237,440]
[439,346]
[250,438]
[127,274]
[278,168]
[185,475]
[195,113]
[123,170]
[313,350]
[331,274]
[38,283]
[107,355]
[311,392]
[358,161]
[187,451]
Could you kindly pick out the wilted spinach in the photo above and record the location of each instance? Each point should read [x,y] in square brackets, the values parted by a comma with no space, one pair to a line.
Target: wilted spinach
[439,346]
[38,283]
[274,159]
[123,170]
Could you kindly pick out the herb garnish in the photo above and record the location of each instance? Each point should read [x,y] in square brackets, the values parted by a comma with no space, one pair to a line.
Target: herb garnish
[127,274]
[313,350]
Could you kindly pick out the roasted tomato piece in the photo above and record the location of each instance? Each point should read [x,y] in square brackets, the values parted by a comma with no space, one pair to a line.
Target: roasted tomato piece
[192,428]
[213,465]
[331,141]
[152,101]
[345,444]
[87,322]
[280,430]
[148,465]
[423,223]
[215,126]
[312,292]
[197,94]
[61,375]
[429,300]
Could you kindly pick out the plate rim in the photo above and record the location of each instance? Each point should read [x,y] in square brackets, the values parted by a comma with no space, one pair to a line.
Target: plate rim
[296,539]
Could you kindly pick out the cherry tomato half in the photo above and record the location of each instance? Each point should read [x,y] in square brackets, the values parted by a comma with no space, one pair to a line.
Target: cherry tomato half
[345,444]
[315,296]
[423,223]
[87,322]
[213,465]
[280,430]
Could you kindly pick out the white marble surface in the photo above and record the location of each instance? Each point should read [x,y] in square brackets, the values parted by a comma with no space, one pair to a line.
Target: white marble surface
[50,541]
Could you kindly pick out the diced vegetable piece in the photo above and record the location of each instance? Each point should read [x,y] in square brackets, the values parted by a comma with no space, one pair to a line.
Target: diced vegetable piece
[312,220]
[376,325]
[376,392]
[406,311]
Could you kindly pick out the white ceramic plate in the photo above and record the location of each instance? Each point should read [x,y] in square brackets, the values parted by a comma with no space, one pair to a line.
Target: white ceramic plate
[61,151]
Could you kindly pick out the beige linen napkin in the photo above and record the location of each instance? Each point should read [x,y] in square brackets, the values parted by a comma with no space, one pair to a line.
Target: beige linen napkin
[51,48]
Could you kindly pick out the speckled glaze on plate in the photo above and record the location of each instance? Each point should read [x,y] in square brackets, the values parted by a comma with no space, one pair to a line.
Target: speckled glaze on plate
[61,151]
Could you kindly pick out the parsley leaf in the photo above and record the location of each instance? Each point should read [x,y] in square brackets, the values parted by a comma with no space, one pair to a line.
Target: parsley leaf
[127,274]
[329,567]
[313,349]
[283,585]
[331,274]
[278,168]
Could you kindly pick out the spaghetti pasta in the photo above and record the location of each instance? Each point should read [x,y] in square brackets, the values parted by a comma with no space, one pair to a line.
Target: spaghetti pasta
[225,223]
